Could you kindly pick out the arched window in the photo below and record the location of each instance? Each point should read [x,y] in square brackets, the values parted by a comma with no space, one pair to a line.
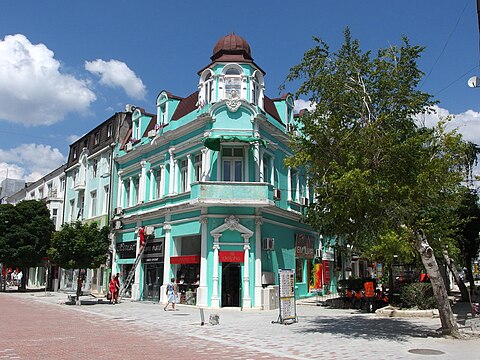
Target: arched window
[208,88]
[256,87]
[233,83]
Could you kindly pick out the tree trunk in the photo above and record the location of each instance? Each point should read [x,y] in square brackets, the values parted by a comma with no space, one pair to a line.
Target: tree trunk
[79,285]
[460,283]
[469,274]
[449,325]
[390,282]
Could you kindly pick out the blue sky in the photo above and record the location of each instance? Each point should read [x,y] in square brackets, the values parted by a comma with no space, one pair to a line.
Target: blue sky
[67,66]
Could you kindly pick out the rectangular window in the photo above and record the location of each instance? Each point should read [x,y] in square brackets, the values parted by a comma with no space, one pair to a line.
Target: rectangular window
[62,184]
[127,192]
[299,270]
[54,216]
[136,184]
[197,164]
[266,166]
[232,160]
[81,204]
[94,168]
[108,160]
[93,204]
[106,191]
[40,193]
[32,195]
[183,176]
[96,139]
[74,153]
[109,130]
[293,185]
[72,210]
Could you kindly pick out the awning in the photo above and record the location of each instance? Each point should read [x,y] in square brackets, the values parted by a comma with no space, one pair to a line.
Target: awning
[185,259]
[213,143]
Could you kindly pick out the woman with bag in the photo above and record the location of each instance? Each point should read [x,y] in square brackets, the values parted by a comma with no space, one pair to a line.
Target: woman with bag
[172,291]
[112,289]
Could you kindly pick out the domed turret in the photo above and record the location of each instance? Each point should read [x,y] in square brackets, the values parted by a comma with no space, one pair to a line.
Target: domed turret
[232,48]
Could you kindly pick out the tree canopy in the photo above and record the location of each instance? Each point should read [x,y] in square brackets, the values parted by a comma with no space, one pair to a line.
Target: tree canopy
[372,164]
[80,246]
[25,233]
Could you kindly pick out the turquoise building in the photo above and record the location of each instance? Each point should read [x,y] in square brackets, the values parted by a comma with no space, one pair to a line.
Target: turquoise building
[205,175]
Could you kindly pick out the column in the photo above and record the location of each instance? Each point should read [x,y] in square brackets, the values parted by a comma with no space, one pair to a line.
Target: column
[162,182]
[247,301]
[262,176]
[247,173]
[142,187]
[151,195]
[166,261]
[136,281]
[172,172]
[258,262]
[272,174]
[176,178]
[132,190]
[256,158]
[297,187]
[203,176]
[289,184]
[216,247]
[188,180]
[208,165]
[120,192]
[202,290]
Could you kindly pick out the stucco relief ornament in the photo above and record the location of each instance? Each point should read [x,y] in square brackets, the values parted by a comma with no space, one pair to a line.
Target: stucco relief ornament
[232,222]
[233,101]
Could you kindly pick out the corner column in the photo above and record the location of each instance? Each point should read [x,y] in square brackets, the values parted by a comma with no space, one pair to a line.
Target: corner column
[247,301]
[258,263]
[216,247]
[166,262]
[202,290]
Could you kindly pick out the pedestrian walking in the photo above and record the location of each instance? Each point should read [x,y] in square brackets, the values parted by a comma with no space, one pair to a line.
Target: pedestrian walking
[172,291]
[114,287]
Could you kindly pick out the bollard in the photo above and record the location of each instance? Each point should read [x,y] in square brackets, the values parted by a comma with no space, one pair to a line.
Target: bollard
[202,317]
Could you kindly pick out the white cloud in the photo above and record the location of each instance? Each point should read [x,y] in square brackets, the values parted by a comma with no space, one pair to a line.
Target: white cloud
[467,123]
[29,161]
[33,91]
[114,73]
[72,138]
[301,104]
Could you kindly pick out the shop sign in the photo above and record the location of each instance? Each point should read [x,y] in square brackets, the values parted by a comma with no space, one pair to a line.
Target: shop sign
[152,260]
[231,256]
[304,246]
[126,250]
[185,259]
[326,272]
[328,255]
[154,248]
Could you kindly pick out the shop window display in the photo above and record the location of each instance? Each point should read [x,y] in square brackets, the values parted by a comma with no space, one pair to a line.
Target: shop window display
[188,279]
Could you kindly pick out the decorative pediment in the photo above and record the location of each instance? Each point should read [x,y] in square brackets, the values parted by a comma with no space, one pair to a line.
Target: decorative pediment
[232,223]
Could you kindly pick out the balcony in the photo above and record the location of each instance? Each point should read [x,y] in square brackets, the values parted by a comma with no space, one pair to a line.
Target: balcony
[232,194]
[79,185]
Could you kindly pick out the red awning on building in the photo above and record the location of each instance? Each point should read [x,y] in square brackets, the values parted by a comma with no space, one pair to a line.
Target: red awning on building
[185,259]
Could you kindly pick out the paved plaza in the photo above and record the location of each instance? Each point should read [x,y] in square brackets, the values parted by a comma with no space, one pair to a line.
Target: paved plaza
[39,325]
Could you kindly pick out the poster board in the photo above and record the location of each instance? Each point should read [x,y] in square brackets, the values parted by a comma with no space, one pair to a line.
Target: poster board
[286,292]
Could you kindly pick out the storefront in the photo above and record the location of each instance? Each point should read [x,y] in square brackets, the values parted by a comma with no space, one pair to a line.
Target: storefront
[187,270]
[126,252]
[304,254]
[153,264]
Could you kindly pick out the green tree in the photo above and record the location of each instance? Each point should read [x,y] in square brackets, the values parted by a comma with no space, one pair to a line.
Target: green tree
[468,238]
[374,167]
[25,235]
[80,246]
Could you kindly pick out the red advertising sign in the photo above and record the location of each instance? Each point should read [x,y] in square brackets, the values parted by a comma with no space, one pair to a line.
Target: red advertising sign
[185,259]
[231,256]
[326,271]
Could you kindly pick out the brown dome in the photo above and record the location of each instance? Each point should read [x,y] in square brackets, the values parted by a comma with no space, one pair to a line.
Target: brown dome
[232,47]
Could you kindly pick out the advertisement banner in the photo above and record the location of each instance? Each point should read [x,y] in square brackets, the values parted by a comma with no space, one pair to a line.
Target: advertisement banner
[326,272]
[304,246]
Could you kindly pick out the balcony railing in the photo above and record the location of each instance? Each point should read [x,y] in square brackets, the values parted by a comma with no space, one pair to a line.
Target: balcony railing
[232,193]
[79,184]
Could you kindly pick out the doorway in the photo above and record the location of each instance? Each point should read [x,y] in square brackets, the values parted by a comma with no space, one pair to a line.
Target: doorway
[153,281]
[231,286]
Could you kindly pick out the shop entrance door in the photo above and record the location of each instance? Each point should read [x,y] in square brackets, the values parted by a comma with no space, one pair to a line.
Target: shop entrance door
[153,281]
[231,284]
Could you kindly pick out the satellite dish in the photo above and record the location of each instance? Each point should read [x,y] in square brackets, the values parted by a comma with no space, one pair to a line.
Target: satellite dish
[473,82]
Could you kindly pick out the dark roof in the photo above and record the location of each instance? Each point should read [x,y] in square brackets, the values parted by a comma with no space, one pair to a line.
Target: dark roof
[186,106]
[271,109]
[232,47]
[151,125]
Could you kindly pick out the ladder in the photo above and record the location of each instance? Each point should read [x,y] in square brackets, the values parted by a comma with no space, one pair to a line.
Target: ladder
[131,274]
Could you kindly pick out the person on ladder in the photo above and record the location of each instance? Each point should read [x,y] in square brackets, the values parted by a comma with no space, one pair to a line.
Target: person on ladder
[141,234]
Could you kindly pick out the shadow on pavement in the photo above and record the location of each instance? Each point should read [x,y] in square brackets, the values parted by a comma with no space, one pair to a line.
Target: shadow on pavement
[368,328]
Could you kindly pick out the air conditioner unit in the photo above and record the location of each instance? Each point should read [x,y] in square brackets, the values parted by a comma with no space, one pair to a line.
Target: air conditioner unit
[152,133]
[318,253]
[268,243]
[128,146]
[304,201]
[118,211]
[268,278]
[277,194]
[149,230]
[118,225]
